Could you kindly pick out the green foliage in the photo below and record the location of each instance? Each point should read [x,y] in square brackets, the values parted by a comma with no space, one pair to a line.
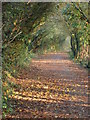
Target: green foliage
[21,35]
[21,31]
[76,16]
[34,28]
[7,92]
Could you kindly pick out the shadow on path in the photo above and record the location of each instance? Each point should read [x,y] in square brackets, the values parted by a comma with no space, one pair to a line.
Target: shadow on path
[52,86]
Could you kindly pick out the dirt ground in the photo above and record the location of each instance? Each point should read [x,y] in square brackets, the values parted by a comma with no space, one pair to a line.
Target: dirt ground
[53,86]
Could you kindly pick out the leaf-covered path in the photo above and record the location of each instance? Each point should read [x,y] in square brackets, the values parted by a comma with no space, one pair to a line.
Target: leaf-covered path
[52,86]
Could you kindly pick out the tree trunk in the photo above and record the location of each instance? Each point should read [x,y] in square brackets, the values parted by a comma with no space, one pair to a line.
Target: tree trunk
[73,46]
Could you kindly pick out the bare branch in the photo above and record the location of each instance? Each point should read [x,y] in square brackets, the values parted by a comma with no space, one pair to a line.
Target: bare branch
[13,39]
[2,26]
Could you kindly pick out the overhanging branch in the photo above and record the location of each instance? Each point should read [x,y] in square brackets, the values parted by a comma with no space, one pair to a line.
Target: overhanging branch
[80,10]
[13,39]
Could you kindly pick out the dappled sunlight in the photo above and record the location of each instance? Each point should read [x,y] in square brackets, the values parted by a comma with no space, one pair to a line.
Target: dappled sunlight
[49,86]
[49,96]
[33,106]
[45,49]
[51,61]
[60,100]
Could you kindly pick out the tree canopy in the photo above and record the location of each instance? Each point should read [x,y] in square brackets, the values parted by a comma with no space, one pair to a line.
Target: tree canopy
[36,28]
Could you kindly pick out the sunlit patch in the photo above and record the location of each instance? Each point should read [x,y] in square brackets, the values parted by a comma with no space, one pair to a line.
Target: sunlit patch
[51,61]
[53,84]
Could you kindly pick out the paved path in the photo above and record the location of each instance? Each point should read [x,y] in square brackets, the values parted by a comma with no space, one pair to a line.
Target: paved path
[52,86]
